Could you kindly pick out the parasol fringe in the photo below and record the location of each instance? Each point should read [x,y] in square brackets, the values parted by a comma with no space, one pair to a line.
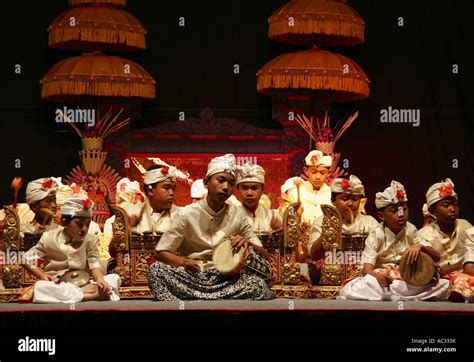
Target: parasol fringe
[117,89]
[313,26]
[315,82]
[119,3]
[109,36]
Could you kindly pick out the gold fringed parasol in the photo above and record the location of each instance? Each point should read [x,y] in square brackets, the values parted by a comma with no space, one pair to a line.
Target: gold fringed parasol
[97,75]
[114,3]
[338,78]
[321,22]
[96,28]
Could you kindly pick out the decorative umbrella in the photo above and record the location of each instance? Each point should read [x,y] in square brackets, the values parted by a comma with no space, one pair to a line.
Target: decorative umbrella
[114,3]
[321,22]
[97,75]
[96,28]
[338,78]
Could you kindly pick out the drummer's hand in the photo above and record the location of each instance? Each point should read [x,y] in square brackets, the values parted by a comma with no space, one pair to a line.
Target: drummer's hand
[191,266]
[275,223]
[411,254]
[238,241]
[103,286]
[383,279]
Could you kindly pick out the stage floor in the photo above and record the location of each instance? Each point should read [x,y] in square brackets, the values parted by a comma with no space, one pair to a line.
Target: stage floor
[244,305]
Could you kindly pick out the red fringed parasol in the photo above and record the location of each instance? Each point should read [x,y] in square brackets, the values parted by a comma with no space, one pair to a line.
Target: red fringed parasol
[114,3]
[321,22]
[338,78]
[97,75]
[96,28]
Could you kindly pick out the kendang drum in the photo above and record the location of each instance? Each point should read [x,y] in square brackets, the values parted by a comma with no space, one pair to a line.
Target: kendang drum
[421,272]
[231,262]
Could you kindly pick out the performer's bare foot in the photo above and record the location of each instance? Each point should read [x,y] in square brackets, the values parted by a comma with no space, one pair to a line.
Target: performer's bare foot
[92,292]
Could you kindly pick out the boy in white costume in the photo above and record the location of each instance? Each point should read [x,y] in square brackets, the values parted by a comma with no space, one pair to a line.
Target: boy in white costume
[250,184]
[393,239]
[41,199]
[70,247]
[155,214]
[195,232]
[315,191]
[447,235]
[346,195]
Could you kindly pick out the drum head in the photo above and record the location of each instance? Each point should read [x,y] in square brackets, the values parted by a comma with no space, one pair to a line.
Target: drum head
[224,259]
[420,272]
[76,277]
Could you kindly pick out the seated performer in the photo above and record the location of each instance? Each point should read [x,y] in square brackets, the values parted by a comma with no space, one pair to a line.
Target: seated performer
[41,198]
[195,231]
[346,195]
[70,247]
[198,190]
[447,234]
[250,184]
[393,239]
[64,193]
[156,212]
[313,192]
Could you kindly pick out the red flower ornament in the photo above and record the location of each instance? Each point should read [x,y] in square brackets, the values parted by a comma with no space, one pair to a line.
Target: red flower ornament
[345,184]
[165,170]
[314,159]
[445,191]
[47,184]
[400,194]
[86,203]
[75,189]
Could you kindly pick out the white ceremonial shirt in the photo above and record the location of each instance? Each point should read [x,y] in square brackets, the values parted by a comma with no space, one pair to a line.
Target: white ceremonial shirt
[60,254]
[197,229]
[262,218]
[450,247]
[384,249]
[152,221]
[311,200]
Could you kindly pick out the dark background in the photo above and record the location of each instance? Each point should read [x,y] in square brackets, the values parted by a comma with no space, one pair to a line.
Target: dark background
[410,67]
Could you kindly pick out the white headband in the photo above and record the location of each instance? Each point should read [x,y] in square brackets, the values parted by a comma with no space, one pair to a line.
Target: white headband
[439,191]
[77,206]
[224,163]
[159,175]
[317,158]
[393,194]
[352,186]
[250,173]
[40,189]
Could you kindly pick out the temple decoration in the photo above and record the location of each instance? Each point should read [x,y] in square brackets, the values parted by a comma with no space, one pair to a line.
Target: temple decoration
[325,138]
[97,25]
[322,22]
[309,81]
